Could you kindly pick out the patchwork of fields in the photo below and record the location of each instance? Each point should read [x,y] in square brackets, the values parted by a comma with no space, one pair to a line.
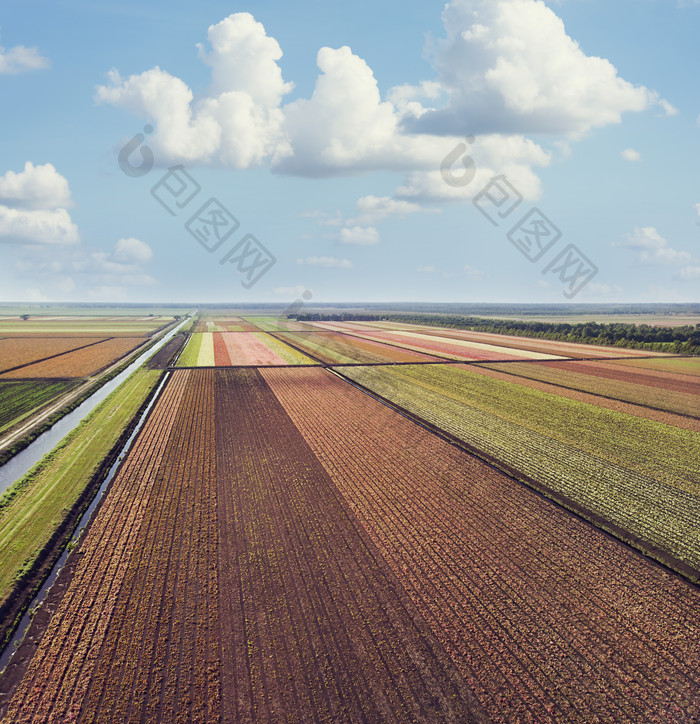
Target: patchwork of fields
[372,522]
[44,358]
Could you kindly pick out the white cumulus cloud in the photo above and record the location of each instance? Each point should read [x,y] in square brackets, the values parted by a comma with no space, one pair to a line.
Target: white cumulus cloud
[511,67]
[37,226]
[359,235]
[20,59]
[652,247]
[327,262]
[36,187]
[629,154]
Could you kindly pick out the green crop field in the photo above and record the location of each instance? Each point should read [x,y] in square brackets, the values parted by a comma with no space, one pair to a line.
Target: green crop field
[190,354]
[657,397]
[598,458]
[20,398]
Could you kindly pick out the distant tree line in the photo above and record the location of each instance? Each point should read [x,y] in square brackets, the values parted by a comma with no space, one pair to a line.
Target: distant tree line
[677,340]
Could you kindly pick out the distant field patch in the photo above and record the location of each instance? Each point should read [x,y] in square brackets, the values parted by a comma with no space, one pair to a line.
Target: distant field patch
[81,362]
[18,399]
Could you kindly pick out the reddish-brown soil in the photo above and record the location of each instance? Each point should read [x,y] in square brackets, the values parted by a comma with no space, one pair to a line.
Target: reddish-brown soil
[547,618]
[20,351]
[221,355]
[226,579]
[81,362]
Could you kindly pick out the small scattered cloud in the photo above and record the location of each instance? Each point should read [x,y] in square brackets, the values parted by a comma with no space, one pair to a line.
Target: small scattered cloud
[689,273]
[21,59]
[629,154]
[426,269]
[327,262]
[293,291]
[132,251]
[472,272]
[652,247]
[667,108]
[359,235]
[374,209]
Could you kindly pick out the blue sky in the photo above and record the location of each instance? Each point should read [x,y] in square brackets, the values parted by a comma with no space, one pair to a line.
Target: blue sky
[322,126]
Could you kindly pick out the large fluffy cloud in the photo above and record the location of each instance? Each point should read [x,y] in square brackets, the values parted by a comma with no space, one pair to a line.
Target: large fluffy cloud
[32,207]
[510,67]
[238,123]
[505,68]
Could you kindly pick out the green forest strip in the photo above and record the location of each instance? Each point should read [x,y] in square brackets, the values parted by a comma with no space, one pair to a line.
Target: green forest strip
[675,340]
[38,512]
[639,475]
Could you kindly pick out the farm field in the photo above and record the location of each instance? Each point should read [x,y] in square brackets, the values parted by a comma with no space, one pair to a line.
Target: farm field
[595,458]
[361,522]
[21,398]
[81,362]
[224,349]
[82,326]
[456,342]
[38,505]
[656,389]
[678,365]
[336,348]
[330,560]
[48,356]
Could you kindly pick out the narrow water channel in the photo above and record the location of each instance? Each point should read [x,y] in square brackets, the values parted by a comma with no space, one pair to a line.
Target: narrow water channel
[40,597]
[19,465]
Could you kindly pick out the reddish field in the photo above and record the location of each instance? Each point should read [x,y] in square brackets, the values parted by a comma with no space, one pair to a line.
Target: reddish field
[431,344]
[546,618]
[226,579]
[658,390]
[564,349]
[243,349]
[20,351]
[81,362]
[331,347]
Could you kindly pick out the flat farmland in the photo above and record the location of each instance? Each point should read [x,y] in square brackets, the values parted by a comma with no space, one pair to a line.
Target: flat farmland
[653,388]
[677,365]
[452,348]
[545,346]
[356,522]
[82,326]
[79,363]
[336,348]
[594,457]
[225,349]
[21,398]
[21,351]
[226,578]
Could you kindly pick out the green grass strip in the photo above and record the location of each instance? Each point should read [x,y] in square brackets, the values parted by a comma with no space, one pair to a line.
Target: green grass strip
[34,507]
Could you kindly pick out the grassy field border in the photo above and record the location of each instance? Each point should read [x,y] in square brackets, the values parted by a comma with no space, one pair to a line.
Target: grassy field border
[31,575]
